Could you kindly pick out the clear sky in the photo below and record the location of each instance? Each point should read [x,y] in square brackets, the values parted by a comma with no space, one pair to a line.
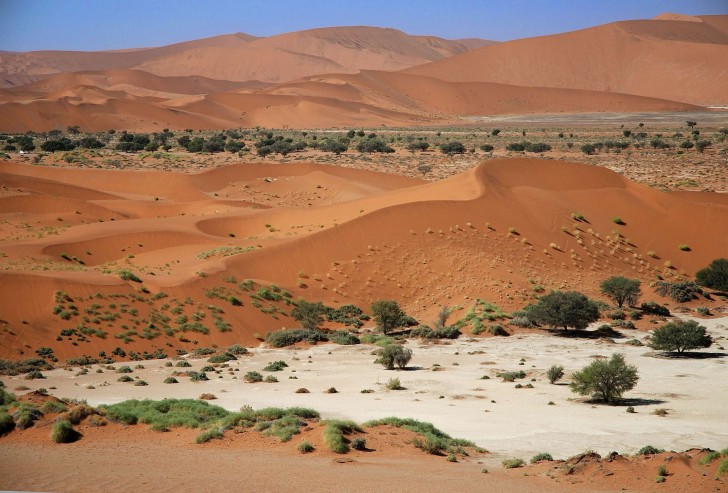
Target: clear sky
[104,24]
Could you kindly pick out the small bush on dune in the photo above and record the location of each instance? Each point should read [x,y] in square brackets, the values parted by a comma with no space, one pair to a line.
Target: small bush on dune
[6,423]
[359,443]
[513,463]
[432,440]
[206,436]
[26,415]
[305,447]
[344,338]
[709,457]
[79,413]
[63,432]
[541,457]
[334,434]
[52,407]
[649,450]
[722,468]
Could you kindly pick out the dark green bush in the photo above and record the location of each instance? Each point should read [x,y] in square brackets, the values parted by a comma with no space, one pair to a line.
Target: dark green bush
[275,366]
[6,423]
[221,358]
[63,432]
[253,377]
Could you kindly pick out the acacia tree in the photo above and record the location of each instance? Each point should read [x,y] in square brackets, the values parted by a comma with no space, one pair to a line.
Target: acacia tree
[388,315]
[564,309]
[715,276]
[621,290]
[605,380]
[681,335]
[311,315]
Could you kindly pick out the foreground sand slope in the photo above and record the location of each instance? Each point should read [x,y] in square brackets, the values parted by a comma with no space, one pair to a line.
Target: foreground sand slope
[333,234]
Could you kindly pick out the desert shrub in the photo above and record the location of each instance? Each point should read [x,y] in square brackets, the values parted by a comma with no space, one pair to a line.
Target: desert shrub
[270,379]
[486,148]
[203,351]
[453,147]
[34,375]
[237,350]
[125,379]
[554,373]
[513,463]
[722,468]
[305,447]
[540,457]
[511,376]
[124,369]
[140,383]
[681,292]
[605,380]
[221,358]
[197,376]
[516,146]
[275,366]
[63,432]
[394,384]
[344,338]
[183,364]
[425,332]
[283,338]
[433,440]
[170,380]
[521,319]
[373,145]
[709,457]
[649,450]
[564,309]
[127,275]
[12,368]
[359,443]
[6,397]
[392,355]
[497,330]
[334,434]
[206,436]
[52,407]
[78,413]
[715,276]
[6,423]
[174,413]
[680,336]
[253,377]
[655,309]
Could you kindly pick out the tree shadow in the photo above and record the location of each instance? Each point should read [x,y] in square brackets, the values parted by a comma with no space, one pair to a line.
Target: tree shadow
[600,333]
[637,401]
[689,355]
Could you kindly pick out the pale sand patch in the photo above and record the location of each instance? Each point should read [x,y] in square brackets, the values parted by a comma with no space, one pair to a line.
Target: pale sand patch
[519,423]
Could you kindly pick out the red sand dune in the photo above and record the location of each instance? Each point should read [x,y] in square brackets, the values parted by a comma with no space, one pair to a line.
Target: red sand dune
[676,60]
[333,234]
[240,57]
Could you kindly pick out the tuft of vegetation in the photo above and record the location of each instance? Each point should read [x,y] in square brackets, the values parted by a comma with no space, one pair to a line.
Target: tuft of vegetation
[253,377]
[275,366]
[554,373]
[681,292]
[305,447]
[394,384]
[6,423]
[650,450]
[172,413]
[715,276]
[359,443]
[207,435]
[432,441]
[288,337]
[543,456]
[621,290]
[335,432]
[513,463]
[221,358]
[63,432]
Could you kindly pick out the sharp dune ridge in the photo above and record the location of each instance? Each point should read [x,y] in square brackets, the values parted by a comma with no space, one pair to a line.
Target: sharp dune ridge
[375,236]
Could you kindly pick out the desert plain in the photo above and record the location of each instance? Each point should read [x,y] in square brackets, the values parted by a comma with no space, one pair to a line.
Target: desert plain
[161,221]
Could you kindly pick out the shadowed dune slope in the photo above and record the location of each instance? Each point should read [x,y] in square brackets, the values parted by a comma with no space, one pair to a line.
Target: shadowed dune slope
[676,60]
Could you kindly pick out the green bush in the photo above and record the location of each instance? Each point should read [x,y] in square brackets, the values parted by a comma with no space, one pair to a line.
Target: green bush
[564,309]
[6,423]
[334,434]
[344,338]
[655,309]
[715,276]
[237,350]
[253,377]
[722,468]
[394,384]
[359,443]
[197,376]
[6,397]
[513,463]
[221,358]
[170,380]
[305,447]
[554,373]
[63,432]
[52,407]
[432,440]
[284,338]
[511,376]
[173,413]
[183,364]
[275,366]
[541,457]
[649,450]
[206,436]
[124,379]
[621,290]
[681,292]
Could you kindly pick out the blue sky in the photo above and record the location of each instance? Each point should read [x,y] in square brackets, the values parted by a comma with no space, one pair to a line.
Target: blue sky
[103,24]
